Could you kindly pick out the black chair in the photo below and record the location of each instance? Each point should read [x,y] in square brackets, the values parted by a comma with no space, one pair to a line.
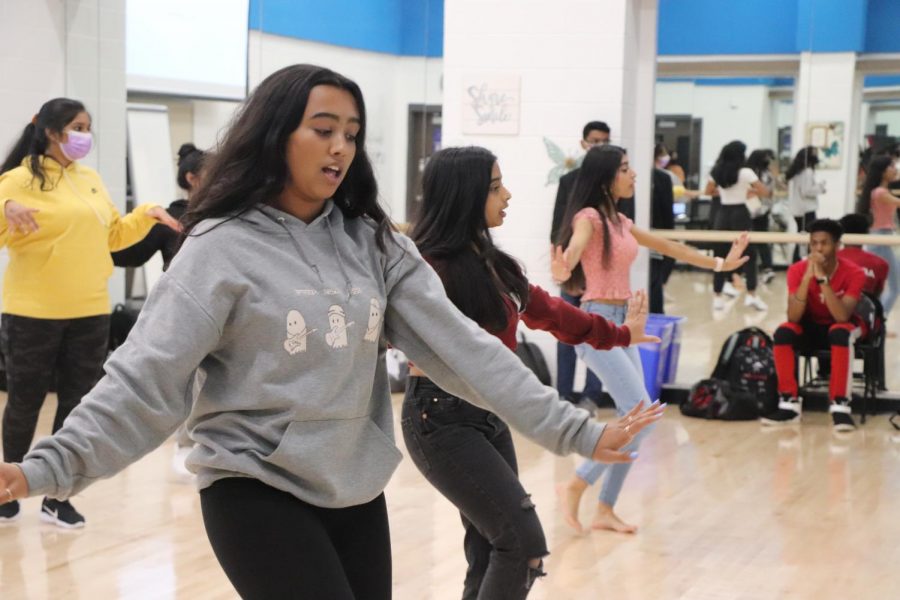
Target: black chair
[869,349]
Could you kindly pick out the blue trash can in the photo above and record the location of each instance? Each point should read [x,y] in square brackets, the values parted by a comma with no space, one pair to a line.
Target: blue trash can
[653,356]
[674,351]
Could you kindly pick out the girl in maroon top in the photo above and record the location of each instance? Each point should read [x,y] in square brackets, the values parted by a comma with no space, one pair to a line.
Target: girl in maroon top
[467,452]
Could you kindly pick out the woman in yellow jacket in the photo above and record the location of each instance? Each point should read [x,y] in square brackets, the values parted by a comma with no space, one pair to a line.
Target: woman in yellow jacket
[59,226]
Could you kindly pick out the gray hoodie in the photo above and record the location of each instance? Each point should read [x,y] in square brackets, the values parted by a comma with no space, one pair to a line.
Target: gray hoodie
[285,326]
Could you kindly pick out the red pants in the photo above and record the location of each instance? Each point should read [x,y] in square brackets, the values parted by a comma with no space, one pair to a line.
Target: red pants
[809,336]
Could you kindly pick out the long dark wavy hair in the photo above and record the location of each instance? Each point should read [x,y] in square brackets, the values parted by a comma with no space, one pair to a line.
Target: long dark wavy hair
[728,166]
[33,143]
[593,189]
[453,233]
[250,166]
[758,161]
[806,158]
[874,175]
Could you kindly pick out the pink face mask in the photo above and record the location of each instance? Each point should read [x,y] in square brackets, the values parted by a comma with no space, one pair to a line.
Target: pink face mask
[78,145]
[663,161]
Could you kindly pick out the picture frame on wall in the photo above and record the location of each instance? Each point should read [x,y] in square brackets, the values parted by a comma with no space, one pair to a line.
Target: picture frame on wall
[828,139]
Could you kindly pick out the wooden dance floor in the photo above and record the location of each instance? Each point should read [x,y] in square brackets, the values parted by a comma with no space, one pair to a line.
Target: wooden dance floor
[726,511]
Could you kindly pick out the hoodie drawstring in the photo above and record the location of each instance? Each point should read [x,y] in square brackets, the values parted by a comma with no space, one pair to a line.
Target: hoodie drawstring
[313,266]
[340,260]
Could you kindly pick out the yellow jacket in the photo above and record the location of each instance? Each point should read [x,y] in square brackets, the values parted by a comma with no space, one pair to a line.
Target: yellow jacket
[61,270]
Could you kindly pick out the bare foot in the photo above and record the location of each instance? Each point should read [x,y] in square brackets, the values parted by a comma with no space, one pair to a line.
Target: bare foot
[570,497]
[608,520]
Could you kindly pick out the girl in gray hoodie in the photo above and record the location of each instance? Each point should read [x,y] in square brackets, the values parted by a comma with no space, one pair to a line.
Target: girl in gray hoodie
[280,306]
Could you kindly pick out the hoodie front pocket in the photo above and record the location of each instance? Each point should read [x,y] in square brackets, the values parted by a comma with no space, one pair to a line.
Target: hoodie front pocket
[339,463]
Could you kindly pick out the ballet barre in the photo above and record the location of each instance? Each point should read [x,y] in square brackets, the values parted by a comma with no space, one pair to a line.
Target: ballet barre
[770,237]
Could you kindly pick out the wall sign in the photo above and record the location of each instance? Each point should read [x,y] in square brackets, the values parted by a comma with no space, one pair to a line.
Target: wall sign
[490,104]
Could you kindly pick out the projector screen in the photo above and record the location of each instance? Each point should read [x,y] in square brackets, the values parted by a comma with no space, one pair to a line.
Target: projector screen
[194,48]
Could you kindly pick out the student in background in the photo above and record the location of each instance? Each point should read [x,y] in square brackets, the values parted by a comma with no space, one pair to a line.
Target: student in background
[161,239]
[879,204]
[737,186]
[804,190]
[594,133]
[59,225]
[760,162]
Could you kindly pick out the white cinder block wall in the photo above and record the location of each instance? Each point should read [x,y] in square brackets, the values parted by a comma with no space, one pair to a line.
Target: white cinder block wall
[571,58]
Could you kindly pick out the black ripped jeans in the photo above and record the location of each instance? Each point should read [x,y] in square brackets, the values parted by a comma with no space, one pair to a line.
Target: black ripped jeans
[467,453]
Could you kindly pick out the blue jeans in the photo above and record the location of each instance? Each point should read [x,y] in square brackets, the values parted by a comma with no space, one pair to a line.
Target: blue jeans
[892,287]
[565,366]
[622,375]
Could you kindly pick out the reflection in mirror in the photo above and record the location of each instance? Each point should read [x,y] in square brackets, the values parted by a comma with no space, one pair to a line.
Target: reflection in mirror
[697,117]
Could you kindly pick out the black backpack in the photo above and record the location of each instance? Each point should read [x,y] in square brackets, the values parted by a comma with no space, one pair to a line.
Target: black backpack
[714,399]
[747,364]
[743,383]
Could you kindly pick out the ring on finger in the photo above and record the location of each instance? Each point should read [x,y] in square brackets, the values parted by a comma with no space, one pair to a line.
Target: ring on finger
[9,494]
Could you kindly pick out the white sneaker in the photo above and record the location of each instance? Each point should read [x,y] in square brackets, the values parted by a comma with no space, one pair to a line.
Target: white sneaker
[756,302]
[729,290]
[718,303]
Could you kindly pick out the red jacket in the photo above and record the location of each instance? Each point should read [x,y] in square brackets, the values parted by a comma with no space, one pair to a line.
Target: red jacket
[875,267]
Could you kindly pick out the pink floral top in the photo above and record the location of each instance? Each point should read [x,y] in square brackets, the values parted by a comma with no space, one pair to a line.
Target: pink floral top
[613,283]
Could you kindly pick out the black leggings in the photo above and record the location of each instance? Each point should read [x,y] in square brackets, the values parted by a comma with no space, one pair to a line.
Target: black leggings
[273,545]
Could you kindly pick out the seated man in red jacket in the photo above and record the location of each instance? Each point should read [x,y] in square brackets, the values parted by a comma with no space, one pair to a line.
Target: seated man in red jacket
[823,291]
[875,267]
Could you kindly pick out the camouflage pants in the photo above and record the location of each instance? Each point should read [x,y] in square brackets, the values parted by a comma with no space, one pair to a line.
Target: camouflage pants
[37,349]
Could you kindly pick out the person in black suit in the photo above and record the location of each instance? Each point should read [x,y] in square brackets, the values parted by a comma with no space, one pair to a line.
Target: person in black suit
[662,216]
[595,133]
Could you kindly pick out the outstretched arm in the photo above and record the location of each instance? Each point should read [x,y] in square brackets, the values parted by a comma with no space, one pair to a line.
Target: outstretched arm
[468,362]
[687,254]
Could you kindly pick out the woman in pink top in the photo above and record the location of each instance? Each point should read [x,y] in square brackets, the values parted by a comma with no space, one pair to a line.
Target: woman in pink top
[601,245]
[877,202]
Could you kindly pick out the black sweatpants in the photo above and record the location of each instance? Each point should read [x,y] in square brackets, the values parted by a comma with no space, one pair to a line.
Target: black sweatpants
[273,545]
[74,349]
[734,217]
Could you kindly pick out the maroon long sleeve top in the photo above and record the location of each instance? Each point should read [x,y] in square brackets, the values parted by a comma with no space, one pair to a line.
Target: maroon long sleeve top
[568,324]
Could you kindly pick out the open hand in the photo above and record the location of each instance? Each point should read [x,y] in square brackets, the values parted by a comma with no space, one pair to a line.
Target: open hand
[620,432]
[559,265]
[734,260]
[636,319]
[13,485]
[20,219]
[160,214]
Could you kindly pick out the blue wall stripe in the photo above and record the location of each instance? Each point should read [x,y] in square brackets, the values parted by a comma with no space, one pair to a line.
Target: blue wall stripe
[391,26]
[691,27]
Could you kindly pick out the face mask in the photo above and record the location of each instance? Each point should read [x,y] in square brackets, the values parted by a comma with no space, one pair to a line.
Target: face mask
[78,146]
[663,161]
